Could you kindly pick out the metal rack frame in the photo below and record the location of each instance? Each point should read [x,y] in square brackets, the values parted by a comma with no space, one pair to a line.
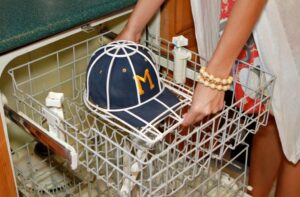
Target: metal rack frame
[171,157]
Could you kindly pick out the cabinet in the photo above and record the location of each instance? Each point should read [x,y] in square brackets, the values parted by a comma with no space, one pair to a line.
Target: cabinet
[7,186]
[177,19]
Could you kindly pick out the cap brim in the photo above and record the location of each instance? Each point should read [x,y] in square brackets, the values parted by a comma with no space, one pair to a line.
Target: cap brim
[150,112]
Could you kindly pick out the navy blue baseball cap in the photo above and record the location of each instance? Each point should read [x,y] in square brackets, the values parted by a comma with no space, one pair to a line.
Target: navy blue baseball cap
[122,79]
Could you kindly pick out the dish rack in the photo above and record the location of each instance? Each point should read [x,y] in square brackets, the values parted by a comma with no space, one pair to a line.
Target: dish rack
[49,176]
[164,160]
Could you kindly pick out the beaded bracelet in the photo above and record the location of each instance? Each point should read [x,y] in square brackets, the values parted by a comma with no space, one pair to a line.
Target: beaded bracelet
[213,79]
[212,85]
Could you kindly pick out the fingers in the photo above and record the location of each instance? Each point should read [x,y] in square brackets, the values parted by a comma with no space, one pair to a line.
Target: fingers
[219,107]
[193,116]
[205,101]
[128,35]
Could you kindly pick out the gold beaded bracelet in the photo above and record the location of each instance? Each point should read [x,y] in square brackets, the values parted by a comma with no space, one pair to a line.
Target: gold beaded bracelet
[213,79]
[214,82]
[212,85]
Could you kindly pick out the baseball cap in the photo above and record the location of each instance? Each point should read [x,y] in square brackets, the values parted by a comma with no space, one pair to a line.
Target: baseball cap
[122,79]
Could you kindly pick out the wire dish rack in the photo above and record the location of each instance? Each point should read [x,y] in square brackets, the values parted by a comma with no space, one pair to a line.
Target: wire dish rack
[158,161]
[50,176]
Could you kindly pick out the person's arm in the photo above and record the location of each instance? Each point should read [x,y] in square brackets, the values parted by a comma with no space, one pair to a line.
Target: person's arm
[141,15]
[241,22]
[243,17]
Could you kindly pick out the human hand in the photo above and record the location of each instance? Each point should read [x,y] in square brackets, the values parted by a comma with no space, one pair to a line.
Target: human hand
[141,15]
[205,101]
[128,34]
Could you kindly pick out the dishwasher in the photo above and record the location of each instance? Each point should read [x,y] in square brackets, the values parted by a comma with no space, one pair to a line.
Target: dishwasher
[108,158]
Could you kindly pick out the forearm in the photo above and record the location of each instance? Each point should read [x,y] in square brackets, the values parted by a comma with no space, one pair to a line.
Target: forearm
[142,13]
[240,24]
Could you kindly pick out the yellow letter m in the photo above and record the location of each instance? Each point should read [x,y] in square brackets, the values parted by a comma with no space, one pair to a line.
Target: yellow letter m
[140,79]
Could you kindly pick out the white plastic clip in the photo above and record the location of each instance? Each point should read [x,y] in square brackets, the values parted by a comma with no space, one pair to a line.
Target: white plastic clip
[54,102]
[181,55]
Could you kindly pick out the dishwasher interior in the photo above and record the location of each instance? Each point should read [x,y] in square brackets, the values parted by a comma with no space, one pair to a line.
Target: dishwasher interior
[112,159]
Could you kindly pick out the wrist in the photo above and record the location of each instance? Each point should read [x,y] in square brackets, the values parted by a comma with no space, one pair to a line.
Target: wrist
[133,32]
[221,70]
